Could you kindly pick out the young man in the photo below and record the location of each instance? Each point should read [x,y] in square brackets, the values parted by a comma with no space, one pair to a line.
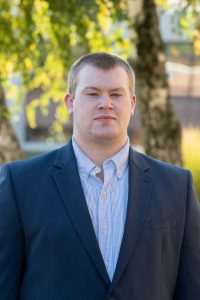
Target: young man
[96,220]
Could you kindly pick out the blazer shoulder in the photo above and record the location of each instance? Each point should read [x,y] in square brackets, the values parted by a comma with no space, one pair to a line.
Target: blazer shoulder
[157,167]
[40,159]
[40,162]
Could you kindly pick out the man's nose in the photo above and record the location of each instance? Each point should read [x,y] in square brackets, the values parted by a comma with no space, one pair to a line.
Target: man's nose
[105,102]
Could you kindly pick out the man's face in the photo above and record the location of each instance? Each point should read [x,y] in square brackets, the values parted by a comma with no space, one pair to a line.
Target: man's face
[102,105]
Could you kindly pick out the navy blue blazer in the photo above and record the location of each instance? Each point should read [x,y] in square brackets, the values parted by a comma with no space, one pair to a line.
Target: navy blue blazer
[49,251]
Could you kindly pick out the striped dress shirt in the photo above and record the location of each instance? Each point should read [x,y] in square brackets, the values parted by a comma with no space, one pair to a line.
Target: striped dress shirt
[106,201]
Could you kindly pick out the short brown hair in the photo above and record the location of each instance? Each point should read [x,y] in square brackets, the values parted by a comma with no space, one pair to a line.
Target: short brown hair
[101,60]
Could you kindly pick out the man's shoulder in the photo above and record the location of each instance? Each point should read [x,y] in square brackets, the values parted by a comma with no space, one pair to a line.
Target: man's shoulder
[39,162]
[157,167]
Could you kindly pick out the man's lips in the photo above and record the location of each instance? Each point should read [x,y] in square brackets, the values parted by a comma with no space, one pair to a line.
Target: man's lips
[104,118]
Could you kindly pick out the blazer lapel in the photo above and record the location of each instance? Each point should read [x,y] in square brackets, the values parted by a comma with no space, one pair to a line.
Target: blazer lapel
[70,189]
[140,185]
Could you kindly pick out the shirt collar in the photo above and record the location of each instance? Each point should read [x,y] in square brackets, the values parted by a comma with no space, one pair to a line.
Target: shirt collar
[121,159]
[87,167]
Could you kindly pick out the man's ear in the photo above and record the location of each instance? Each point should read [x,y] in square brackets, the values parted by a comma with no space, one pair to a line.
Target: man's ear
[69,102]
[133,104]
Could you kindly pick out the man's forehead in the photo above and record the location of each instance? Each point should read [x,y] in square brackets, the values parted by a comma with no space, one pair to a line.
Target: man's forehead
[96,69]
[91,76]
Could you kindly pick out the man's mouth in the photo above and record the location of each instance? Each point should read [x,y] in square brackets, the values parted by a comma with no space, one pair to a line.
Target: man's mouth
[104,117]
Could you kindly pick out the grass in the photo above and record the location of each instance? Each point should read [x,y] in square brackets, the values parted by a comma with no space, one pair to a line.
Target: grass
[191,154]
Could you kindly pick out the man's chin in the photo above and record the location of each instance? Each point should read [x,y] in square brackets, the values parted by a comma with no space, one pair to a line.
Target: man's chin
[105,137]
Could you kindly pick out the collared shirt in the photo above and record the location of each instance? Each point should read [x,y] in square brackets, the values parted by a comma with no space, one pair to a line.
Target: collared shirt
[106,201]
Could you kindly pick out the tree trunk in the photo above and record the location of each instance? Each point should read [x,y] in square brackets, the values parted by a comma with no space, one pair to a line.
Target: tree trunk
[9,144]
[160,128]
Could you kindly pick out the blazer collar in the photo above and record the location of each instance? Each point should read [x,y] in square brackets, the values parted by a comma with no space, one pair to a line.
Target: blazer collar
[64,155]
[138,160]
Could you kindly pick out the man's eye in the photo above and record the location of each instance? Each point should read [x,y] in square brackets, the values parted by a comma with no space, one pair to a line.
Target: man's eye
[92,94]
[116,95]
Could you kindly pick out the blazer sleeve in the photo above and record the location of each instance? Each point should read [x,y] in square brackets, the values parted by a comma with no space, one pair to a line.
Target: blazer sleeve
[188,283]
[11,239]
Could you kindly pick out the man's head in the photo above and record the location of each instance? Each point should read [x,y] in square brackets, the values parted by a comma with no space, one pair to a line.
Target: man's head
[100,60]
[101,99]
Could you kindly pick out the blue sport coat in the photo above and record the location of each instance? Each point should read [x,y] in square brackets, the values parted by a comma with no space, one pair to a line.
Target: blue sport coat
[49,251]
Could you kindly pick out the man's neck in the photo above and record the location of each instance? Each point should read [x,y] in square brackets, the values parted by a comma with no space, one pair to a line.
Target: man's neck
[99,152]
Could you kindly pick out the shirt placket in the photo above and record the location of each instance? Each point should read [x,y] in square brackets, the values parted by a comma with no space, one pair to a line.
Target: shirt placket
[104,217]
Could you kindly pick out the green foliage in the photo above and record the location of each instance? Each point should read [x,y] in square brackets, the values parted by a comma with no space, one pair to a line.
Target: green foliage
[41,38]
[163,3]
[188,15]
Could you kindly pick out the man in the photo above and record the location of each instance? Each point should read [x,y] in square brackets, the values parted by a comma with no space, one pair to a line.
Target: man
[96,220]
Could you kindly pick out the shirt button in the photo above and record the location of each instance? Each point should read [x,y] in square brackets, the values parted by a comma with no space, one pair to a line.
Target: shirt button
[106,263]
[103,194]
[104,227]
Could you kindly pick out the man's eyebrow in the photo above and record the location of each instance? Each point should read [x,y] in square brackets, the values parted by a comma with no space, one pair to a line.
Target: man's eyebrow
[118,89]
[91,88]
[97,89]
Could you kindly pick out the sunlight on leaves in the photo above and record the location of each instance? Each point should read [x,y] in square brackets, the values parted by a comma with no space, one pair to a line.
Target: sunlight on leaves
[197,46]
[31,112]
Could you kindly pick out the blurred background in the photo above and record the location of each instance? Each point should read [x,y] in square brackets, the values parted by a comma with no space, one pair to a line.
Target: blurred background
[40,39]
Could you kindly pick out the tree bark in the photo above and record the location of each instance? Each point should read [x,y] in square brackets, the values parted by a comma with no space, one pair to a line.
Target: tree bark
[160,129]
[9,144]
